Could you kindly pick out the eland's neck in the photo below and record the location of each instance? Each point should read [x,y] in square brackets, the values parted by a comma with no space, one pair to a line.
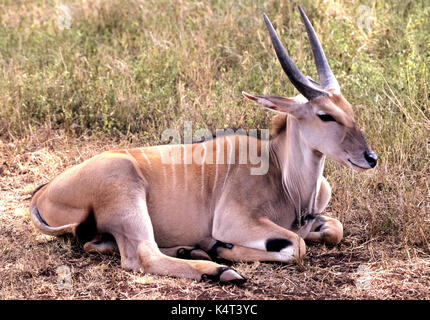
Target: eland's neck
[300,167]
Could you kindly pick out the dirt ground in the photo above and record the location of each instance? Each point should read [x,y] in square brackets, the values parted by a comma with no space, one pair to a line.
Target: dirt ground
[35,266]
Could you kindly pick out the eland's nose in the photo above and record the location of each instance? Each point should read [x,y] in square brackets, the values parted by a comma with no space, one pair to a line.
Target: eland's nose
[371,158]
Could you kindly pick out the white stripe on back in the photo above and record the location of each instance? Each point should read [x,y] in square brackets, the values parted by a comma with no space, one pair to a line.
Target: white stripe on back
[163,165]
[185,167]
[216,167]
[203,169]
[172,160]
[146,157]
[228,160]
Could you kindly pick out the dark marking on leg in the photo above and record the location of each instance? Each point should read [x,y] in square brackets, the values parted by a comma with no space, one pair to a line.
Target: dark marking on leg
[214,277]
[183,253]
[318,229]
[304,219]
[276,245]
[192,254]
[213,252]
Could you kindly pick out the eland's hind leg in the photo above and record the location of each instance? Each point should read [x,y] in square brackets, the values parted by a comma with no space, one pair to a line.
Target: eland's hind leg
[154,261]
[129,222]
[102,243]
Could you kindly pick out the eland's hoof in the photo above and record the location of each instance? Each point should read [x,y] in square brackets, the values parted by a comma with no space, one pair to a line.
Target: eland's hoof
[225,275]
[231,276]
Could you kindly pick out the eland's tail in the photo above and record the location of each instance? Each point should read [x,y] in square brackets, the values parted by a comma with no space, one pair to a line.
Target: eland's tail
[41,224]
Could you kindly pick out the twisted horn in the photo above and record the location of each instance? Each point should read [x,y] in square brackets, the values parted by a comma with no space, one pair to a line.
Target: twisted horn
[327,78]
[302,83]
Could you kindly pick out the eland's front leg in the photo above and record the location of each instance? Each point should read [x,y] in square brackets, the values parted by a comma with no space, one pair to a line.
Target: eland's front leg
[257,240]
[326,230]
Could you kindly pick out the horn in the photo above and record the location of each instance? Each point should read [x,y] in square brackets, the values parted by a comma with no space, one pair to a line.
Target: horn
[327,78]
[302,83]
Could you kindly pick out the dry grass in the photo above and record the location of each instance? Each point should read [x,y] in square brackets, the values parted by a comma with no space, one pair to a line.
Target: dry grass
[123,73]
[363,266]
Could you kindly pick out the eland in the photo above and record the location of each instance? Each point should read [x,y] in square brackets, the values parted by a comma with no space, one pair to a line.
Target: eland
[175,209]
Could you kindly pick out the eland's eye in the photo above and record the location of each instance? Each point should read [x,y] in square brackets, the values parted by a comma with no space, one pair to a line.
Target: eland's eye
[325,117]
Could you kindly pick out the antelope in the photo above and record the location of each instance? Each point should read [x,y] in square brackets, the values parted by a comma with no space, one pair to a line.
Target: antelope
[175,218]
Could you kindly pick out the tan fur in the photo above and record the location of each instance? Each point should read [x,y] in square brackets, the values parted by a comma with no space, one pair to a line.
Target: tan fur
[164,203]
[147,204]
[279,123]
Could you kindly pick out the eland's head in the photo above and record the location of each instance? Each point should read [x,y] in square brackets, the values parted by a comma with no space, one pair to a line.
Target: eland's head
[325,118]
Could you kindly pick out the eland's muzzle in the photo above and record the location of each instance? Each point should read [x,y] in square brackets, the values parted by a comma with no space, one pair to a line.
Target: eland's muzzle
[371,158]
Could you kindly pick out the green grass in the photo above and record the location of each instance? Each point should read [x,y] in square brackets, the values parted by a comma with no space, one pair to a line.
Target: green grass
[131,69]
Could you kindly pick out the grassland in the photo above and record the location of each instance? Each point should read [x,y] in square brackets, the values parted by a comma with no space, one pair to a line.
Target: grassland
[123,71]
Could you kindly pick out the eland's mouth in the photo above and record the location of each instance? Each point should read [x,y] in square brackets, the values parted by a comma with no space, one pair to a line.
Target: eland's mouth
[356,165]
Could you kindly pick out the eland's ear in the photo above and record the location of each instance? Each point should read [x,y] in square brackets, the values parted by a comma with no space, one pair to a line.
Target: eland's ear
[280,104]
